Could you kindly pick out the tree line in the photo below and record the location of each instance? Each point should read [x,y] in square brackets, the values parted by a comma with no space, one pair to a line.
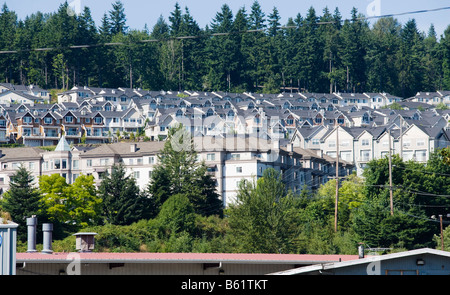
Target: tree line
[180,210]
[311,52]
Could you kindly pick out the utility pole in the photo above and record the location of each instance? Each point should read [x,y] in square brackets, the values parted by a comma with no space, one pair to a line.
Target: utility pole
[337,179]
[390,175]
[442,234]
[401,137]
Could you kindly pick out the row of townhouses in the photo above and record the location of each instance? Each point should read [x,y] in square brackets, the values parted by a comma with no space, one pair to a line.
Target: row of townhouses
[304,130]
[229,160]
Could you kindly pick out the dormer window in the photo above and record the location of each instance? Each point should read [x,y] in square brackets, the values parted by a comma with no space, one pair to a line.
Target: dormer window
[230,115]
[98,120]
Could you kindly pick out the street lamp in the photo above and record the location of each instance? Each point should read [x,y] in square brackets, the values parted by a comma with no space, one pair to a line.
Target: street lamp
[442,235]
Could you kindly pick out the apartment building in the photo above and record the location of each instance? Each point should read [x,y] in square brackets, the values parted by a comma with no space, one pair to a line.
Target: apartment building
[229,160]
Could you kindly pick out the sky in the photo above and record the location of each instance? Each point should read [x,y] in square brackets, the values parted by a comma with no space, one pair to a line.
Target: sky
[145,12]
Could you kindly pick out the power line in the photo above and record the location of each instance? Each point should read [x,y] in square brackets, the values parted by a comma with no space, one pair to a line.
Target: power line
[443,174]
[211,34]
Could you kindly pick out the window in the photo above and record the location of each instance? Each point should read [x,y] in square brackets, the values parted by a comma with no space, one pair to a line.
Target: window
[31,166]
[238,169]
[75,164]
[45,166]
[407,155]
[89,163]
[64,164]
[48,120]
[97,132]
[211,157]
[27,131]
[331,154]
[235,156]
[136,174]
[98,120]
[332,143]
[150,174]
[406,143]
[420,142]
[87,120]
[345,143]
[346,156]
[365,142]
[316,141]
[365,155]
[69,119]
[104,162]
[421,156]
[57,164]
[151,160]
[74,177]
[131,161]
[27,119]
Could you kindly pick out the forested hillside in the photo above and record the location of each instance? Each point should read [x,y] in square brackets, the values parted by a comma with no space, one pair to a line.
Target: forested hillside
[244,50]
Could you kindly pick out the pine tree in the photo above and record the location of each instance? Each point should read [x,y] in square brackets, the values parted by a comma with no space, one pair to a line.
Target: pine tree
[22,200]
[179,172]
[408,61]
[445,48]
[118,19]
[123,203]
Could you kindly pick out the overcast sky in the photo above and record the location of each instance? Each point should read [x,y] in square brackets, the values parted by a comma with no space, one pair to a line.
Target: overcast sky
[140,12]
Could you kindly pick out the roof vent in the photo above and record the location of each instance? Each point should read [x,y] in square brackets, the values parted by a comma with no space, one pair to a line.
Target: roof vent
[85,242]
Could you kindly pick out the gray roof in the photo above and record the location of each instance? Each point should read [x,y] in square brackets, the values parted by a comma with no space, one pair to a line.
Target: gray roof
[124,149]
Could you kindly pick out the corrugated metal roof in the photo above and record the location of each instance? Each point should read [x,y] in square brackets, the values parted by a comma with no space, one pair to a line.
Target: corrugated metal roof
[181,257]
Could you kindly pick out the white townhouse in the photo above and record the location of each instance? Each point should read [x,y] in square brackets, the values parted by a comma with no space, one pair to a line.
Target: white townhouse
[229,160]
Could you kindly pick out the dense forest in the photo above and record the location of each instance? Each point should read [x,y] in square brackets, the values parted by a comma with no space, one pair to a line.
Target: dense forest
[238,51]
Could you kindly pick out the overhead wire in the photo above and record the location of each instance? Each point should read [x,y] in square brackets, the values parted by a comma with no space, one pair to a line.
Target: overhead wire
[214,34]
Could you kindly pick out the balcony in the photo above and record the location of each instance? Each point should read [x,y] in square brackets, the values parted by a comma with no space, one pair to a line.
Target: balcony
[52,135]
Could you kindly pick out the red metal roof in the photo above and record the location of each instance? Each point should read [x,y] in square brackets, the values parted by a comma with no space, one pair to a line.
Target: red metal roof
[181,257]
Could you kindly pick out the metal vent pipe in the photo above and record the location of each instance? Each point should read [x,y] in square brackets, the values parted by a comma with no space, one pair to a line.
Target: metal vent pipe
[31,225]
[47,228]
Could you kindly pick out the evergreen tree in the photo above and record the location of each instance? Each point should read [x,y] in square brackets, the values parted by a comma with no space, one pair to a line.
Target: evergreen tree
[179,172]
[408,60]
[383,43]
[445,47]
[117,19]
[123,203]
[22,200]
[222,51]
